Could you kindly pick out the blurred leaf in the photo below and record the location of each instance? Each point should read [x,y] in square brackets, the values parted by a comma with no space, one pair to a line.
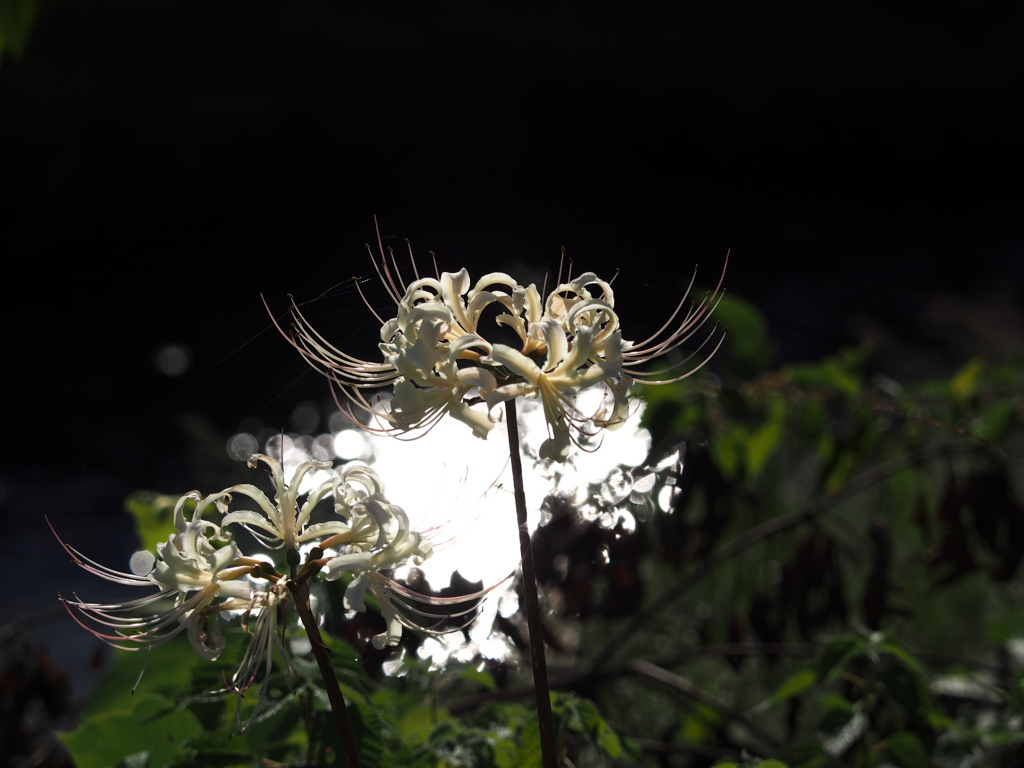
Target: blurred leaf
[154,517]
[698,725]
[995,421]
[598,729]
[840,473]
[765,440]
[749,345]
[833,702]
[965,381]
[795,684]
[415,726]
[837,653]
[905,685]
[17,17]
[729,451]
[168,669]
[153,725]
[907,750]
[529,745]
[216,750]
[480,677]
[836,374]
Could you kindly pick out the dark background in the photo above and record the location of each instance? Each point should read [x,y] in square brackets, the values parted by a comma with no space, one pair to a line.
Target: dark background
[166,162]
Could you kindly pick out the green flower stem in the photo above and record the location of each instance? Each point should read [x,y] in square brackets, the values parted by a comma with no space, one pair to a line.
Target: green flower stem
[537,658]
[300,594]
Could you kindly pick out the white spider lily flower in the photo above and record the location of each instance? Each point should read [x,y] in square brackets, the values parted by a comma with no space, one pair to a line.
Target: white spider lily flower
[381,540]
[194,581]
[441,360]
[392,543]
[565,371]
[433,383]
[284,522]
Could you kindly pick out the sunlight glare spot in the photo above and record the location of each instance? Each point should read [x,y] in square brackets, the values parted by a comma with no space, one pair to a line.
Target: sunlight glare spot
[508,604]
[457,490]
[665,498]
[352,445]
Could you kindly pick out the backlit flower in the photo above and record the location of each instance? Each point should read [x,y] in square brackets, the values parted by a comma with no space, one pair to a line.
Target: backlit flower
[443,360]
[285,520]
[195,580]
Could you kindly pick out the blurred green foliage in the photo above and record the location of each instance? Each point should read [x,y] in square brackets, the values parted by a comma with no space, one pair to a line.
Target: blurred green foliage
[17,18]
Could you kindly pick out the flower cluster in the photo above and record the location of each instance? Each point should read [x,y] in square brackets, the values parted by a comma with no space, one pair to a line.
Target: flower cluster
[441,362]
[201,577]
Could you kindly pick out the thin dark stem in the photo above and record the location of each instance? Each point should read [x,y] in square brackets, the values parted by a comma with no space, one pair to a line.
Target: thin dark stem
[537,658]
[300,594]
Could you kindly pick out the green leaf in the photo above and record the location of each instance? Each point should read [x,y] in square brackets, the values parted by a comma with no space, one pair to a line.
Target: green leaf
[749,344]
[529,745]
[168,669]
[154,517]
[995,422]
[965,381]
[481,677]
[153,724]
[17,17]
[698,725]
[907,750]
[598,729]
[416,725]
[219,749]
[830,374]
[837,652]
[765,440]
[908,690]
[795,684]
[728,450]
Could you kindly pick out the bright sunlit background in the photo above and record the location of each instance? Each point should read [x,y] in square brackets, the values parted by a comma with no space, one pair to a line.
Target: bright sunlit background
[457,490]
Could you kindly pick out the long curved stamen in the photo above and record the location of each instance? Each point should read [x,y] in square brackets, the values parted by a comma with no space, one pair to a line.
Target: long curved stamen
[97,569]
[646,377]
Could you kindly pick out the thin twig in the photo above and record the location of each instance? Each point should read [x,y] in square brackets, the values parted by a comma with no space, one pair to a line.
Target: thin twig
[537,658]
